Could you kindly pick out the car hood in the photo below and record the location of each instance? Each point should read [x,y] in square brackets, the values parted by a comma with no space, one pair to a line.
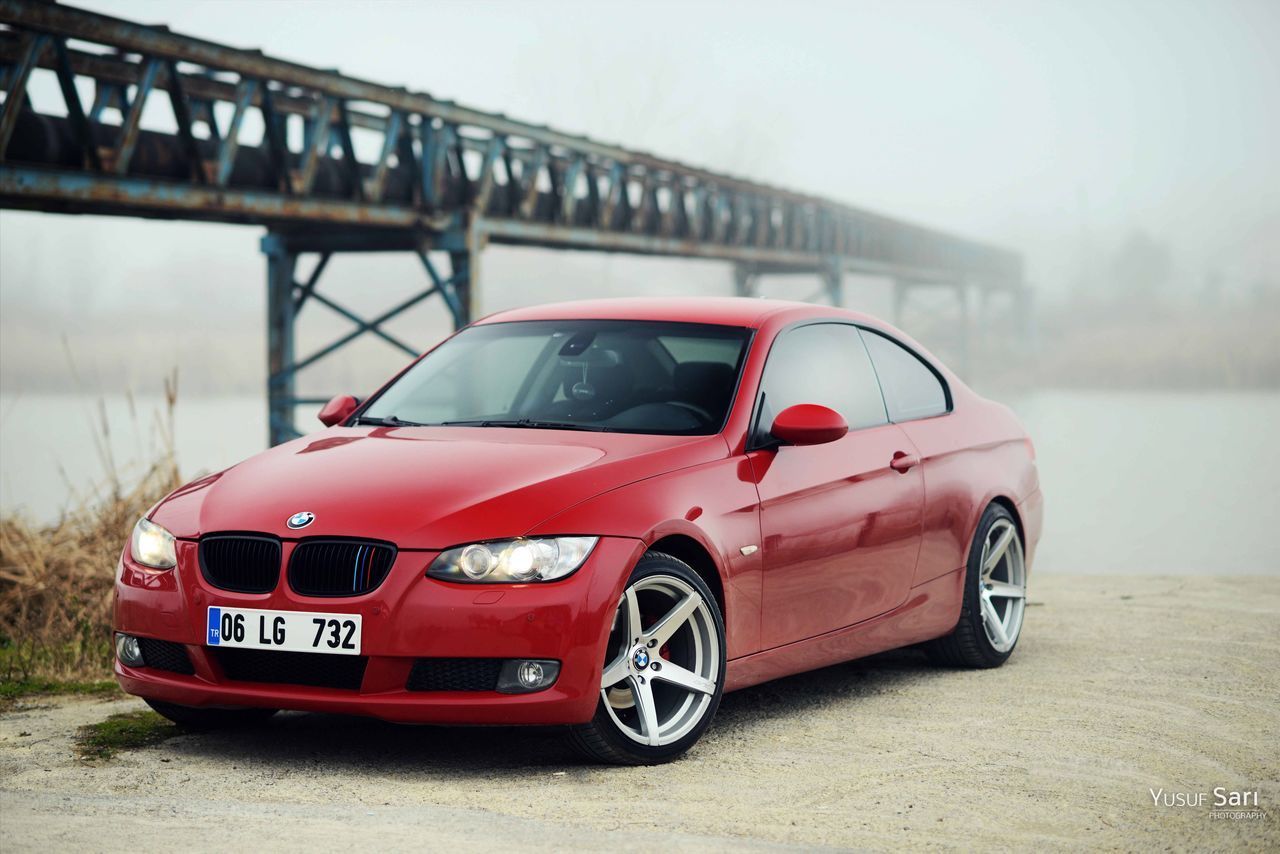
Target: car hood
[424,487]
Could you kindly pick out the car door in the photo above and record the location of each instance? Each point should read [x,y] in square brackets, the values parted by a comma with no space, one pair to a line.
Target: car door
[918,400]
[840,527]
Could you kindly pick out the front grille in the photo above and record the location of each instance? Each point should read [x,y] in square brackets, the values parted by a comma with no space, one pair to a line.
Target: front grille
[239,562]
[166,655]
[343,672]
[454,674]
[339,567]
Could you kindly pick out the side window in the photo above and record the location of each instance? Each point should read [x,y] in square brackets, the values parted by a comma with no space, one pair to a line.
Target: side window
[823,363]
[911,389]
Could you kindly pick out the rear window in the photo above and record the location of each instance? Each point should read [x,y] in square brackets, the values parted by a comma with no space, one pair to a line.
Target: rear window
[911,388]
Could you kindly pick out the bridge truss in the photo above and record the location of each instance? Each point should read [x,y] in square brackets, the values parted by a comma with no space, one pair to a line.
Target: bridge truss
[435,178]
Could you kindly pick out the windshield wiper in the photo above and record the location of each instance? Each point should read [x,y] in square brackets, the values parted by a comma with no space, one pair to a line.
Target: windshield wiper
[389,421]
[525,422]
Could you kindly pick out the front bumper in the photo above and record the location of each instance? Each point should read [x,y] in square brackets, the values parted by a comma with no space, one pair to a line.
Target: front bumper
[408,617]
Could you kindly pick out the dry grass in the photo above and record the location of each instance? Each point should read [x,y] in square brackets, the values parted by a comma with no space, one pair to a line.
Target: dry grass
[56,579]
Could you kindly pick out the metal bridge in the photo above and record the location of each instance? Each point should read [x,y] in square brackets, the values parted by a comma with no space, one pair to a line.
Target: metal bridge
[445,181]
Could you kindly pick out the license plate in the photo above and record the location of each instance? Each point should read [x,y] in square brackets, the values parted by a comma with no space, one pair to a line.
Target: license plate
[296,631]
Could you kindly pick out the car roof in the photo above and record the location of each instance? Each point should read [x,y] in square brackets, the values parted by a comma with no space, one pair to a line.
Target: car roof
[723,311]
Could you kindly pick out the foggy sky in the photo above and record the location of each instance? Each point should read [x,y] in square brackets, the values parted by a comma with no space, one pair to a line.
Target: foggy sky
[1050,127]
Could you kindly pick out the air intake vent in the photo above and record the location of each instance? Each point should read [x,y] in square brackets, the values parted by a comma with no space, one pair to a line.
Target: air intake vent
[339,567]
[343,672]
[239,562]
[166,655]
[454,674]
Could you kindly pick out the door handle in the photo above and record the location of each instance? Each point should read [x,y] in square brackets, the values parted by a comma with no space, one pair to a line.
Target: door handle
[903,462]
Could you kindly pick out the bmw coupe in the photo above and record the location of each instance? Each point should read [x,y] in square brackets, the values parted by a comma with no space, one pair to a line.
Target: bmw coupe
[601,515]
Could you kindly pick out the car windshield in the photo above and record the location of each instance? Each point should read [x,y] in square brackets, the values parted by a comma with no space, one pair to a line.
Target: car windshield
[603,375]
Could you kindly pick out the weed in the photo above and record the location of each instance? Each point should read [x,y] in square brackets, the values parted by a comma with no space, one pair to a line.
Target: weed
[12,690]
[101,741]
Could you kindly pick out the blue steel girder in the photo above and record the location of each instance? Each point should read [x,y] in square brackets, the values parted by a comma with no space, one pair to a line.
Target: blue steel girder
[440,165]
[286,297]
[75,109]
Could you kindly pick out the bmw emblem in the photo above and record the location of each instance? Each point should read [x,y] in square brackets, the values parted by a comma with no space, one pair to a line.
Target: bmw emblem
[641,659]
[301,520]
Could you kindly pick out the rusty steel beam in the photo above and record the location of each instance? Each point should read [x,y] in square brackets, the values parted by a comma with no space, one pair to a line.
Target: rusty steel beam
[517,233]
[33,44]
[112,69]
[48,189]
[149,41]
[759,261]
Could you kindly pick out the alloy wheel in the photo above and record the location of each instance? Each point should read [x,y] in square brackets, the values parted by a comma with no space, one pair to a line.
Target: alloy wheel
[1002,591]
[662,669]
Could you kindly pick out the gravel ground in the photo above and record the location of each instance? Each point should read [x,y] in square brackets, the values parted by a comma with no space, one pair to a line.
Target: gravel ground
[1119,686]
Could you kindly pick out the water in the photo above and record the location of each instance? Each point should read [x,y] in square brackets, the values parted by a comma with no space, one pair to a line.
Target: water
[1184,483]
[1156,482]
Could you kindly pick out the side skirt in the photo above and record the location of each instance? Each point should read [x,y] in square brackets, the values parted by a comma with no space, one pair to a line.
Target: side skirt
[931,610]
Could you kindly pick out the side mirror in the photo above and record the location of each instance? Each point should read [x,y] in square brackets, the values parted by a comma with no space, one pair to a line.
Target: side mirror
[808,424]
[338,410]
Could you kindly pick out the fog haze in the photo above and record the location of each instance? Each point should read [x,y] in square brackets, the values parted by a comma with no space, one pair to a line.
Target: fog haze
[1058,129]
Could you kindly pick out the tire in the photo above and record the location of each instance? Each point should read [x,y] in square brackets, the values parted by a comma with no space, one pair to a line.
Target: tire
[195,718]
[976,642]
[677,669]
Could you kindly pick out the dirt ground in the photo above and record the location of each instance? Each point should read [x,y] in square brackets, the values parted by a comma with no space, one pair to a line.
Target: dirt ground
[1119,686]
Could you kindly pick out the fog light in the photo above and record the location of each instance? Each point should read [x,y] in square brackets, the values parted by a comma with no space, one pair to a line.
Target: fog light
[530,674]
[128,650]
[521,676]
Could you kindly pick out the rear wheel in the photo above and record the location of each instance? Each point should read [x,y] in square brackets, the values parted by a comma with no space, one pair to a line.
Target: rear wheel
[995,597]
[663,670]
[194,717]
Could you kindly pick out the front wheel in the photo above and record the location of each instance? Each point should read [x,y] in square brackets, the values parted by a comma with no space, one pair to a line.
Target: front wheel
[664,668]
[995,597]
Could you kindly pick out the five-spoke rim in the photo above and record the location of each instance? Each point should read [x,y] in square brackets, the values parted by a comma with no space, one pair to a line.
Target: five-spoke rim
[663,663]
[1002,591]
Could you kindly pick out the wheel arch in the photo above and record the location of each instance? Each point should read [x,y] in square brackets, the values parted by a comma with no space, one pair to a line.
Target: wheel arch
[1008,504]
[694,553]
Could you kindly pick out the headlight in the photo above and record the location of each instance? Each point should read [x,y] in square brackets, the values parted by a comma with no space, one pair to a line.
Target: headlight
[509,561]
[152,546]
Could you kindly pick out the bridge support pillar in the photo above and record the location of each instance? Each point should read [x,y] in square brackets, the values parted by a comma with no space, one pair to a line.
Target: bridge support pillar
[281,386]
[286,297]
[746,281]
[833,283]
[1024,309]
[906,314]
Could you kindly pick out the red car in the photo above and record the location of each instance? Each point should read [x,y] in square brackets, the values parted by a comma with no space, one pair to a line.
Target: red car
[598,514]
